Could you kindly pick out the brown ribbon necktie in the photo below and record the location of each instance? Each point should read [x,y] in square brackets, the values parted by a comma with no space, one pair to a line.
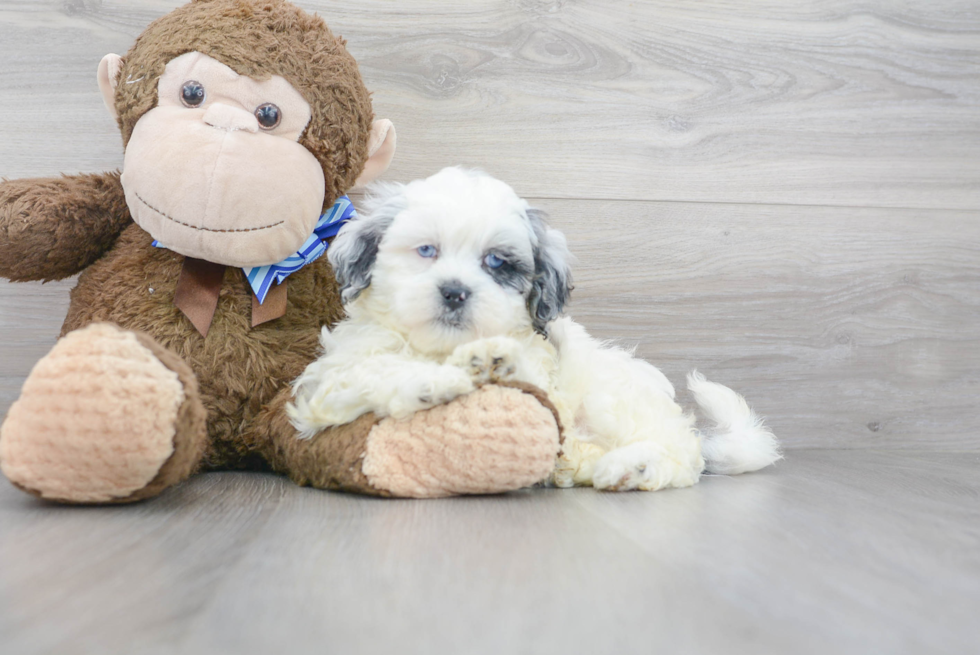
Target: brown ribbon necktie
[197,293]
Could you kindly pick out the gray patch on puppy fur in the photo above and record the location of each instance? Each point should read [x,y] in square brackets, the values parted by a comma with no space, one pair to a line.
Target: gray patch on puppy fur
[514,273]
[353,253]
[551,285]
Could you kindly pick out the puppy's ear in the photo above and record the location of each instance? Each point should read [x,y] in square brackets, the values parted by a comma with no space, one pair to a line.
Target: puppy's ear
[552,282]
[353,253]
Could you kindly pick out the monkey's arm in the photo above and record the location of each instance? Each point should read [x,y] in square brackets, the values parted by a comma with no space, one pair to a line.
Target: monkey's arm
[52,228]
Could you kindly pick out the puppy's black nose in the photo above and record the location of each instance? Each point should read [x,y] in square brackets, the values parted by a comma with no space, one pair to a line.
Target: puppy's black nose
[454,294]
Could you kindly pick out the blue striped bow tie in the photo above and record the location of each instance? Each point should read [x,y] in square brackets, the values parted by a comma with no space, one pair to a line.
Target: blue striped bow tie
[261,278]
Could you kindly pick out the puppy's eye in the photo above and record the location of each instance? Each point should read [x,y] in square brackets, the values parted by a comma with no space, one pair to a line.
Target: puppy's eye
[492,261]
[192,94]
[426,251]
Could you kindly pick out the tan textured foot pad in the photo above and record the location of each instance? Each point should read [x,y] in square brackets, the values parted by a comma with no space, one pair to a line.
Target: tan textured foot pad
[495,439]
[95,421]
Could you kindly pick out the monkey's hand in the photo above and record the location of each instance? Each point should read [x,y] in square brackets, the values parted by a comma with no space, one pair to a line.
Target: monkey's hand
[52,228]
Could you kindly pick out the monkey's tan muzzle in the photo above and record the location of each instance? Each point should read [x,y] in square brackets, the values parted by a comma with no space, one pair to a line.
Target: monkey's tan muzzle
[219,190]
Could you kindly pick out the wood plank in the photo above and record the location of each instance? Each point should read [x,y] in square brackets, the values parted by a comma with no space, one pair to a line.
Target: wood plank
[848,328]
[121,579]
[832,102]
[829,552]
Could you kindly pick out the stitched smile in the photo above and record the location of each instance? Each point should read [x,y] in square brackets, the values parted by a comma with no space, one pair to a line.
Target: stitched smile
[204,229]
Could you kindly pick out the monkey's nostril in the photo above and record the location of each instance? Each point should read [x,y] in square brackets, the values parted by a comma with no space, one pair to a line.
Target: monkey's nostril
[226,117]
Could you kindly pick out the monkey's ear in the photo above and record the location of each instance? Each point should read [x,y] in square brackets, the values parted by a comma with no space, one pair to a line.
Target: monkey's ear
[109,69]
[381,150]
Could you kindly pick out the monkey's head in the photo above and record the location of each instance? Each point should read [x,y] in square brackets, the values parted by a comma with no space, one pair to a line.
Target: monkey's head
[242,121]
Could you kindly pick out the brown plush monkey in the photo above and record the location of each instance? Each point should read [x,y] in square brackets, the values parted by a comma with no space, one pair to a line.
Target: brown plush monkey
[242,120]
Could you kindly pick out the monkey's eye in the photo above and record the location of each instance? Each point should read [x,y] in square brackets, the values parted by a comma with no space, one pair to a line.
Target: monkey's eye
[492,261]
[426,251]
[268,116]
[192,94]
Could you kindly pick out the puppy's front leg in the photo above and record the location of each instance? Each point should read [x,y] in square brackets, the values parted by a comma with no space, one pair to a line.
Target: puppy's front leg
[416,385]
[333,392]
[496,359]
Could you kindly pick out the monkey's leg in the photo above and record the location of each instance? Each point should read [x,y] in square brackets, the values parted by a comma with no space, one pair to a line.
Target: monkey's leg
[496,439]
[107,416]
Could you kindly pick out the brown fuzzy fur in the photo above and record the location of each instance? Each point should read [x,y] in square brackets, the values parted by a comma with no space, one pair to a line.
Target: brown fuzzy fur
[53,228]
[237,379]
[239,368]
[330,460]
[260,39]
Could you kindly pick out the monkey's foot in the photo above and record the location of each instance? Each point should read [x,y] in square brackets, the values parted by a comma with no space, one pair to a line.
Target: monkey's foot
[107,416]
[492,440]
[496,439]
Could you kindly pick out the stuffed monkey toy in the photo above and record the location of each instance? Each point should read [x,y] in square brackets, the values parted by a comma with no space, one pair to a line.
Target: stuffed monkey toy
[201,292]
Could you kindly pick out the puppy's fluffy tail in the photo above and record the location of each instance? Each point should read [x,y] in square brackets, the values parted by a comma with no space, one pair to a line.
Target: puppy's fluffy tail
[738,442]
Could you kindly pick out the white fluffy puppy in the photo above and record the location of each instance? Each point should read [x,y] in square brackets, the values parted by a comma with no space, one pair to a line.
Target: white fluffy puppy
[454,281]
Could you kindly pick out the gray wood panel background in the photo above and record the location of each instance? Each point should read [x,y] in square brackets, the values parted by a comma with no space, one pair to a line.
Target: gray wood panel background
[785,196]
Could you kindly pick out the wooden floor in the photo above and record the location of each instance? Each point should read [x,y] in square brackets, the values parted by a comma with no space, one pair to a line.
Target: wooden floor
[831,552]
[784,195]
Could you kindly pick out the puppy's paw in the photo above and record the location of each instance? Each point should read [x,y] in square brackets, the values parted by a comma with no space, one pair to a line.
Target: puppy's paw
[424,393]
[635,466]
[488,360]
[449,384]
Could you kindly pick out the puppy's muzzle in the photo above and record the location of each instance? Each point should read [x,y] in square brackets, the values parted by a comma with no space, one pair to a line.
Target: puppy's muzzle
[454,294]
